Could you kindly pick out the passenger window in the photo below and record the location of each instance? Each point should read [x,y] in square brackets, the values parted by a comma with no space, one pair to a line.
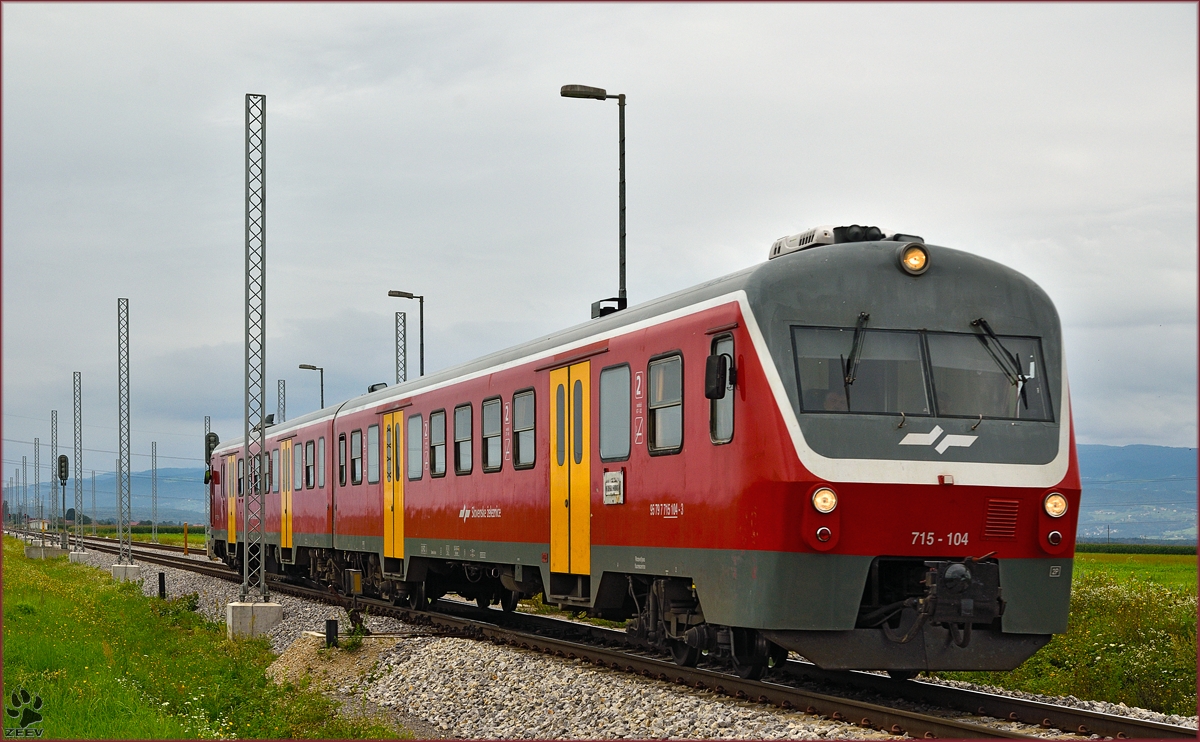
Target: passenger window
[666,405]
[274,469]
[241,476]
[320,459]
[491,435]
[298,465]
[373,454]
[412,447]
[356,462]
[342,459]
[462,439]
[524,440]
[720,411]
[614,413]
[310,464]
[437,444]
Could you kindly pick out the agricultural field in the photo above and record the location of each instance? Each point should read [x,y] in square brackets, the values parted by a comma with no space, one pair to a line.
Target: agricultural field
[1131,637]
[90,658]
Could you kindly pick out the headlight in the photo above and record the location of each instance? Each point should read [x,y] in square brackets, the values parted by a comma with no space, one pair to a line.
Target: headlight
[914,258]
[824,500]
[1055,505]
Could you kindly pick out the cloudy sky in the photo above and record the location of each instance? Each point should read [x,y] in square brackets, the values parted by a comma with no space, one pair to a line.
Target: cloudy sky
[425,148]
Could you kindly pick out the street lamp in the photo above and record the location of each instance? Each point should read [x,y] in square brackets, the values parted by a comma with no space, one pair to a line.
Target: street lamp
[310,367]
[584,91]
[421,299]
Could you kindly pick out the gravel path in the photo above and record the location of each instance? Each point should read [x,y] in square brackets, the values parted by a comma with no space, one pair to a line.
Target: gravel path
[463,688]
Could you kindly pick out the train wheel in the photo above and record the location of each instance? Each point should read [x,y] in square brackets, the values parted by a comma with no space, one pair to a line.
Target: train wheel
[416,598]
[508,600]
[777,655]
[683,655]
[483,601]
[749,654]
[902,674]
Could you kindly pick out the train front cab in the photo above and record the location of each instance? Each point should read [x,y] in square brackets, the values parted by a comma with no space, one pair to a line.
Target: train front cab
[938,479]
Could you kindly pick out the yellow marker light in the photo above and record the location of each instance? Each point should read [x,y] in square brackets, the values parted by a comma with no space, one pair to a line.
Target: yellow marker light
[914,259]
[824,500]
[1055,505]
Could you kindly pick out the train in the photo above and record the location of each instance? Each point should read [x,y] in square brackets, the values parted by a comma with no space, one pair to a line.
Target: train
[859,450]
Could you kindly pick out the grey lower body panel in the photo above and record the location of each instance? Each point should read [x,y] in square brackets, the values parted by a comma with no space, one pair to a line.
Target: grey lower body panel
[931,649]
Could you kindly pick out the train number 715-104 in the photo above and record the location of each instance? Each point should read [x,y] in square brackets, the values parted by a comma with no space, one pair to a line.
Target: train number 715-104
[929,538]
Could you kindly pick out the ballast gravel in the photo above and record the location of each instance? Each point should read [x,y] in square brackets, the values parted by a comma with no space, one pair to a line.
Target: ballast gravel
[472,689]
[478,690]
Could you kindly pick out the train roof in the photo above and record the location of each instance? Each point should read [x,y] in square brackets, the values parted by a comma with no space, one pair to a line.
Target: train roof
[858,258]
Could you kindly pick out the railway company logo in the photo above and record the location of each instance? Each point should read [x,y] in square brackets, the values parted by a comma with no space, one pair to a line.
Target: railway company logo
[24,712]
[470,512]
[928,439]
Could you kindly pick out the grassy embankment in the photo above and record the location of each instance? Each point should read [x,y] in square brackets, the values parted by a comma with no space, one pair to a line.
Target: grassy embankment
[1131,636]
[110,663]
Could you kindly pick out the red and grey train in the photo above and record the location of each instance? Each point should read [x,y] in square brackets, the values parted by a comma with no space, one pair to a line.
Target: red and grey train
[859,450]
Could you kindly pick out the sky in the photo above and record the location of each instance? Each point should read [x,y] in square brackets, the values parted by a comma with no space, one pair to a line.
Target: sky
[425,148]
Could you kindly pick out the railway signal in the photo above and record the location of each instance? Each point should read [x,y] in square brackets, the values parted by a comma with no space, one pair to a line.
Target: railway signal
[64,473]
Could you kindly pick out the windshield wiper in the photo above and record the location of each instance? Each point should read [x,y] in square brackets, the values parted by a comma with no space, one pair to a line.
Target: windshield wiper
[850,365]
[1008,363]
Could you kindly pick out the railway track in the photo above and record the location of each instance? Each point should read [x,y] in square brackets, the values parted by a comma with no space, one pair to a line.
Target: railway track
[611,648]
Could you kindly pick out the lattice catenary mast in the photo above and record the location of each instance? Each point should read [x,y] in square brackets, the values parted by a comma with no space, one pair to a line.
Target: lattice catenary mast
[37,477]
[53,464]
[281,401]
[77,472]
[254,440]
[124,504]
[401,348]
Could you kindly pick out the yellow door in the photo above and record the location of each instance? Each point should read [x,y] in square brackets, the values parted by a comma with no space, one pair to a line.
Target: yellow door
[231,497]
[285,493]
[393,486]
[570,480]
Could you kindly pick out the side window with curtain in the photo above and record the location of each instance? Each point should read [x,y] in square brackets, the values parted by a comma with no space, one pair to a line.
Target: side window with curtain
[666,405]
[492,455]
[437,444]
[342,459]
[462,439]
[373,454]
[720,411]
[412,447]
[320,460]
[356,452]
[298,464]
[614,413]
[524,429]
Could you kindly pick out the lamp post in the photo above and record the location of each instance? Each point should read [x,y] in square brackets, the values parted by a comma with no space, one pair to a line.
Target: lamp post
[310,367]
[584,91]
[421,300]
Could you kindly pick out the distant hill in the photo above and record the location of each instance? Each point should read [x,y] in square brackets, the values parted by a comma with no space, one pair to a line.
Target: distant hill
[1132,492]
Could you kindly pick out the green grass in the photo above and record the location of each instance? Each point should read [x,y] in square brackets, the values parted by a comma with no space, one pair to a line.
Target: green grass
[110,663]
[1131,637]
[1171,570]
[1135,549]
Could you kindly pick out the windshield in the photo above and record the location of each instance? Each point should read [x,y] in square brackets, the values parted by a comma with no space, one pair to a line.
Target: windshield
[889,376]
[918,373]
[969,380]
